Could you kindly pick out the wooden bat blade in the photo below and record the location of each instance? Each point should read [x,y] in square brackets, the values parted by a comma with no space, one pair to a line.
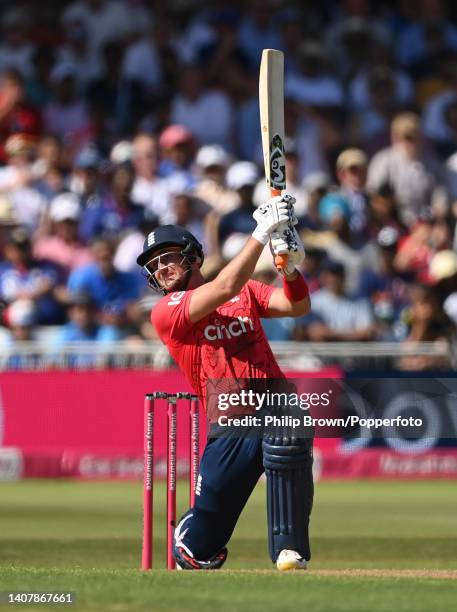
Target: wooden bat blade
[271,104]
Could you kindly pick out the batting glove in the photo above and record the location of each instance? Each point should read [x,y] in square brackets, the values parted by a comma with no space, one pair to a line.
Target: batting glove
[286,241]
[275,212]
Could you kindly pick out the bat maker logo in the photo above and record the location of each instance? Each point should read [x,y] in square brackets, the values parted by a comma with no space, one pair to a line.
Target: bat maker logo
[277,163]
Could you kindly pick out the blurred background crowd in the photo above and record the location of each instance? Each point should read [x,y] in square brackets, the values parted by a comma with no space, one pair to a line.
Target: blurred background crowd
[118,115]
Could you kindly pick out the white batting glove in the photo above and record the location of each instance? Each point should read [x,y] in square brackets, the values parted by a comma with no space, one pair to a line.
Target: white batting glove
[276,211]
[286,241]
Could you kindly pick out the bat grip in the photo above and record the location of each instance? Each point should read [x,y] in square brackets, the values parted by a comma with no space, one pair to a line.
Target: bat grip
[280,260]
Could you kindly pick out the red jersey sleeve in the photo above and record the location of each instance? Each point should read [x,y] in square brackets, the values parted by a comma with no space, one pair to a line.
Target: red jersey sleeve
[170,316]
[261,294]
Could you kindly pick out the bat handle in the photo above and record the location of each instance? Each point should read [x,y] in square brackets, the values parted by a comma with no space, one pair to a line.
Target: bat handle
[280,260]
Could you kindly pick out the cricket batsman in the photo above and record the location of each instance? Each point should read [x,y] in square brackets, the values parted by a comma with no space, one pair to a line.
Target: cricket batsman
[213,331]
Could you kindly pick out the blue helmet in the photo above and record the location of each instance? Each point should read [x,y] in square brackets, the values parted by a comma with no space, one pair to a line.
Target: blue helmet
[169,235]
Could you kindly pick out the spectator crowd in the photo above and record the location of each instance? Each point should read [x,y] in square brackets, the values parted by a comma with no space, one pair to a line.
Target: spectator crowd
[118,115]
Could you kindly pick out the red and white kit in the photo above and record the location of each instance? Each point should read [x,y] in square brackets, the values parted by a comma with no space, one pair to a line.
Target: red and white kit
[227,344]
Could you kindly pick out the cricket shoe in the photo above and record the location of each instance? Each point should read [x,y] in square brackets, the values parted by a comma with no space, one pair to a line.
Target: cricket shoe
[290,560]
[183,556]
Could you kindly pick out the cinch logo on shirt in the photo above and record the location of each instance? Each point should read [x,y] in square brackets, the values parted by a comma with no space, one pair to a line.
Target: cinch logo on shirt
[237,327]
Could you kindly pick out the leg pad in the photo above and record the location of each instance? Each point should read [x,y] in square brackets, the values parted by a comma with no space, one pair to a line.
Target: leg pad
[288,468]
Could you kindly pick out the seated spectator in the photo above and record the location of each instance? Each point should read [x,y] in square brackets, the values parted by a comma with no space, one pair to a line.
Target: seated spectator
[442,273]
[121,153]
[16,182]
[111,290]
[16,50]
[132,243]
[8,221]
[334,316]
[440,122]
[48,170]
[150,190]
[383,212]
[314,135]
[207,113]
[86,180]
[212,162]
[192,213]
[311,268]
[20,150]
[335,238]
[315,186]
[39,88]
[416,250]
[430,34]
[62,247]
[75,51]
[177,147]
[142,62]
[360,88]
[370,126]
[224,62]
[427,322]
[16,114]
[448,147]
[314,86]
[355,35]
[351,170]
[21,277]
[83,325]
[414,174]
[67,115]
[258,30]
[311,135]
[382,283]
[114,212]
[103,20]
[451,176]
[20,318]
[241,178]
[115,103]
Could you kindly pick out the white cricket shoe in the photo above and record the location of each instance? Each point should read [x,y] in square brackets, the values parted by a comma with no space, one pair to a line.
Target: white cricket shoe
[290,560]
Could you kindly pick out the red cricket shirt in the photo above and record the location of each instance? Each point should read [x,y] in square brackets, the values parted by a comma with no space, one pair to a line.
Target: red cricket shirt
[228,344]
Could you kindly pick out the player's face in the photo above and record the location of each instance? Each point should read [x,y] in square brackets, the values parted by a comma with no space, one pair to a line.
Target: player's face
[169,268]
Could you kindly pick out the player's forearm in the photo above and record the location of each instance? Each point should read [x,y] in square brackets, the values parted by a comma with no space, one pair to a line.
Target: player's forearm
[236,274]
[292,300]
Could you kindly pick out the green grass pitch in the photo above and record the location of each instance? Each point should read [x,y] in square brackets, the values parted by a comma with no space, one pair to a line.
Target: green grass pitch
[377,546]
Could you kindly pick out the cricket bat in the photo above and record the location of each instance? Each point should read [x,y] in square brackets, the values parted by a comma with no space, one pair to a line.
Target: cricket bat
[271,104]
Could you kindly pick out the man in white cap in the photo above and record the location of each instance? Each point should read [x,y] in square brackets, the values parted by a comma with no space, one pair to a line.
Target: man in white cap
[212,162]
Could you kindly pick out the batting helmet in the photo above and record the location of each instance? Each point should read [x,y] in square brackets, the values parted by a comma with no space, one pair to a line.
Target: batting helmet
[170,235]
